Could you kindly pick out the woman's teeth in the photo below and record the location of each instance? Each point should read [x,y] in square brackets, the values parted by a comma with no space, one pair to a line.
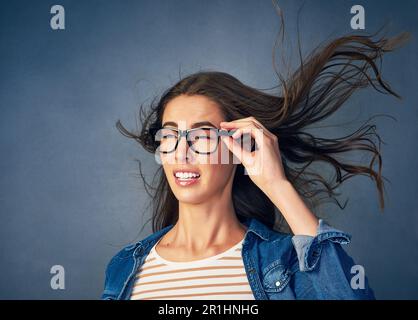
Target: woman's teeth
[187,175]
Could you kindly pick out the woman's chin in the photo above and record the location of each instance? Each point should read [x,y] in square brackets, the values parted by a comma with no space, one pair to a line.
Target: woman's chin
[190,197]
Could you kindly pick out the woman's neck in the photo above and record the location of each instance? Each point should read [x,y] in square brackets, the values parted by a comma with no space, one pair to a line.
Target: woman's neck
[204,226]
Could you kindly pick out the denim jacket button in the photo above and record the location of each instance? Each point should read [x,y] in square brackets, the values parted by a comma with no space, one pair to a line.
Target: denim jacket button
[277,283]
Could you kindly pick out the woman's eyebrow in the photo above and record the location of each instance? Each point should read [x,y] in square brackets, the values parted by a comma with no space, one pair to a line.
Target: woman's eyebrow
[194,125]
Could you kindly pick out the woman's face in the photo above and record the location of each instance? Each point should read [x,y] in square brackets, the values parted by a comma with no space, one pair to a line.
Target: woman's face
[215,173]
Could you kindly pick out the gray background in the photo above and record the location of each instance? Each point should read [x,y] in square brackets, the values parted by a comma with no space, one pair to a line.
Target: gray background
[69,190]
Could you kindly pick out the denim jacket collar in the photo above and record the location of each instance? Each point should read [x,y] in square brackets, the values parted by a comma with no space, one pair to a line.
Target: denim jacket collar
[140,249]
[257,227]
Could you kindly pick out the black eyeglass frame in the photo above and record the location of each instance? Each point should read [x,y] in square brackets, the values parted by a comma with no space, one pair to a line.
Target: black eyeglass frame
[185,133]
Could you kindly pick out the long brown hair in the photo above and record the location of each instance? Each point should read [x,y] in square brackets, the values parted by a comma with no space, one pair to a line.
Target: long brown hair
[325,79]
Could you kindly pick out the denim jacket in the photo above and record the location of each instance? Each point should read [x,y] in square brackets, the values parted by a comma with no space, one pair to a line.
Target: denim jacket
[278,265]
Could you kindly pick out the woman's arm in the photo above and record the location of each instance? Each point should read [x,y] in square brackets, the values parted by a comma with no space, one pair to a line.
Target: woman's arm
[298,216]
[323,269]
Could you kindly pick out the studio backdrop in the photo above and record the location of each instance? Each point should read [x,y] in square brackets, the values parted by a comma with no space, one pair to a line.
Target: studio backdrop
[70,191]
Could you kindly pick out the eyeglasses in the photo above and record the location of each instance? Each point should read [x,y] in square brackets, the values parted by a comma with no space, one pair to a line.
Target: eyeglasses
[200,140]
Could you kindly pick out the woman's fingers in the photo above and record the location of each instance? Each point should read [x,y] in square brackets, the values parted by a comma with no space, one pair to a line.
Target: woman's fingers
[240,123]
[235,148]
[235,124]
[255,133]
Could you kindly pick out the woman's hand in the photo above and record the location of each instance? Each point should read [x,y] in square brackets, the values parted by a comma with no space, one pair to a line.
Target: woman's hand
[264,166]
[265,169]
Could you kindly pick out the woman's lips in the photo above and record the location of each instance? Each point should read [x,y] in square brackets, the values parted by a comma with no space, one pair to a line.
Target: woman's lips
[186,182]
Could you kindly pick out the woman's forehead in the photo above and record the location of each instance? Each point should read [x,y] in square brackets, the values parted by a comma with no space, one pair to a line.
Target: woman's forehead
[190,111]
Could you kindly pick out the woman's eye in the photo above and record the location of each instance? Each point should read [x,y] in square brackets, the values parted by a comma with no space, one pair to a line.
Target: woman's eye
[168,136]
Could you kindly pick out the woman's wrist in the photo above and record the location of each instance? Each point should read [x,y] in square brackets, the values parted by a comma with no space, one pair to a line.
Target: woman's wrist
[300,218]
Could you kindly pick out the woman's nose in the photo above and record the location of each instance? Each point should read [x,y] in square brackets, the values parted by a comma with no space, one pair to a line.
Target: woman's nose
[182,150]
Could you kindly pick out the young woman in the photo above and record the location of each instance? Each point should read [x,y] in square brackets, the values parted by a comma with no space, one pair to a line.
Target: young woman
[221,228]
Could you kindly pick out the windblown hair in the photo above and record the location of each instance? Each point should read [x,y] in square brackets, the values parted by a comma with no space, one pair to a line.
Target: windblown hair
[325,79]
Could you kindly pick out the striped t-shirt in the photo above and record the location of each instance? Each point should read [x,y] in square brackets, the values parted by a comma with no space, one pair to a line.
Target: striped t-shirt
[220,277]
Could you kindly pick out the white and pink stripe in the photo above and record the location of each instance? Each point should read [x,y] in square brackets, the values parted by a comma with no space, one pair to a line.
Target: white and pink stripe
[220,277]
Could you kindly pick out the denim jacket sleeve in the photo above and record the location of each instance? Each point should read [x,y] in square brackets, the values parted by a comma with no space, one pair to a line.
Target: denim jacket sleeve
[325,270]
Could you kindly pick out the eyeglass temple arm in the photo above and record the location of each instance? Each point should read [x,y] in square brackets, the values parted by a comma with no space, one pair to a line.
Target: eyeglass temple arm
[223,132]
